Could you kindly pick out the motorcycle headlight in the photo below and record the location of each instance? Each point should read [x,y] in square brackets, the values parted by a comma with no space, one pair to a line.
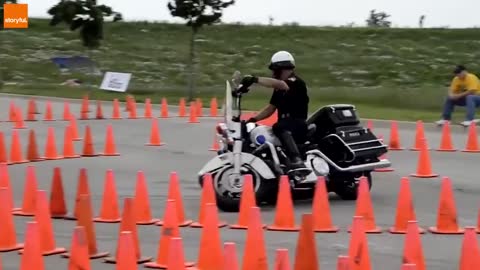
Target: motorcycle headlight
[320,166]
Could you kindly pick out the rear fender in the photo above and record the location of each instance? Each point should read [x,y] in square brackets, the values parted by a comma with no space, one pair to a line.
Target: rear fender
[224,160]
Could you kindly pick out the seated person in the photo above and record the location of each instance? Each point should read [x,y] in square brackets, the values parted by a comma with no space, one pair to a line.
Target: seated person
[465,92]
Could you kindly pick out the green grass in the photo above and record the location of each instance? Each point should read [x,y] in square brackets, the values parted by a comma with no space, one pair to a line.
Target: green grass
[387,73]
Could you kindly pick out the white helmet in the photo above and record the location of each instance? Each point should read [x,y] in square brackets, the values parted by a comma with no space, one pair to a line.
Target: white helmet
[282,60]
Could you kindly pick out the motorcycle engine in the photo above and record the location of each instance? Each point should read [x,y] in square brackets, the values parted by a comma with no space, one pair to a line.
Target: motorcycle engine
[318,165]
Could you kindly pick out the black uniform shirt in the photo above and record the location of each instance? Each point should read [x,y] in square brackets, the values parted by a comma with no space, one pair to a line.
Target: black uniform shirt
[293,102]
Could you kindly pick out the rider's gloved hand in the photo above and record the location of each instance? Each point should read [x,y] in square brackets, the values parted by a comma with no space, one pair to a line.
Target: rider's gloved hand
[248,80]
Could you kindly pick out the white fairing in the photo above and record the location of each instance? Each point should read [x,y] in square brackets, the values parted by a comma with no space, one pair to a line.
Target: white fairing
[262,134]
[228,106]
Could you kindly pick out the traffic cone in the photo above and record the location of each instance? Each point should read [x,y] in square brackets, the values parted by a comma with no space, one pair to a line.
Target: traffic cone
[45,227]
[58,207]
[176,257]
[73,125]
[394,143]
[322,219]
[29,193]
[116,110]
[230,260]
[125,255]
[282,262]
[83,188]
[199,107]
[472,140]
[109,211]
[405,208]
[142,202]
[207,196]
[3,149]
[128,224]
[364,208]
[16,156]
[284,212]
[215,146]
[470,254]
[447,211]
[32,148]
[19,122]
[68,144]
[148,109]
[79,258]
[419,135]
[84,110]
[8,236]
[51,146]
[413,250]
[255,254]
[88,148]
[155,138]
[247,201]
[128,102]
[132,112]
[164,109]
[48,112]
[181,108]
[213,107]
[306,255]
[12,112]
[175,193]
[110,148]
[5,183]
[169,230]
[409,266]
[31,111]
[32,257]
[85,220]
[99,113]
[193,114]
[424,165]
[210,256]
[370,125]
[358,251]
[383,157]
[343,263]
[67,114]
[446,143]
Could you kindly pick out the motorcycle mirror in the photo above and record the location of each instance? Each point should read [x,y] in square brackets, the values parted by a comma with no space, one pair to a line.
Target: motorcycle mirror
[236,78]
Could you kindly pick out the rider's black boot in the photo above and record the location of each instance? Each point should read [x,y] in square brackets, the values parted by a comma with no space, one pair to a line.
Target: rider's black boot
[291,149]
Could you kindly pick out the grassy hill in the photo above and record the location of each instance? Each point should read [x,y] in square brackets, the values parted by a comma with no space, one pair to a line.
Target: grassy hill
[386,72]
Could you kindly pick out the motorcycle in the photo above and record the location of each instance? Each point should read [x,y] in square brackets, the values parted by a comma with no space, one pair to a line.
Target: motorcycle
[338,148]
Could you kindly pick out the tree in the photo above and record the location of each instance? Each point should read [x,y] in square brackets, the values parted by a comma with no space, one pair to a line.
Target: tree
[378,19]
[85,15]
[197,13]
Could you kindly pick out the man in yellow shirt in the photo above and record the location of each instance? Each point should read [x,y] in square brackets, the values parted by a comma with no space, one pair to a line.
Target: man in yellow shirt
[464,92]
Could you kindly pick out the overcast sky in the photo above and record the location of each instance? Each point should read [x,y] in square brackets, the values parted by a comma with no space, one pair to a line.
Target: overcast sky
[461,13]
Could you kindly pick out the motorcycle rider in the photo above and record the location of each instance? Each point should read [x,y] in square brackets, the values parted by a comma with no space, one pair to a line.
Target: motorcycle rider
[291,99]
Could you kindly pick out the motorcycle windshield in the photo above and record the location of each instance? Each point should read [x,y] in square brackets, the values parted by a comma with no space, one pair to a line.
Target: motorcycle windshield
[231,109]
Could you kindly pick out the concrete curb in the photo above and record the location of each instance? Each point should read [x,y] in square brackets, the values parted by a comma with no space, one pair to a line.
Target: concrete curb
[380,122]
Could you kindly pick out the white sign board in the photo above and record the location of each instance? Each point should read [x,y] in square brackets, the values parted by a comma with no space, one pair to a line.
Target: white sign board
[115,81]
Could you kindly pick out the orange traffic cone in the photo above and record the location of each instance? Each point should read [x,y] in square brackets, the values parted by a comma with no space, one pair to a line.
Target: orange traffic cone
[199,107]
[68,144]
[58,207]
[84,110]
[413,251]
[132,112]
[176,257]
[370,125]
[48,112]
[419,135]
[343,262]
[31,111]
[470,254]
[306,256]
[3,150]
[19,122]
[255,254]
[405,208]
[424,165]
[51,146]
[230,260]
[181,108]
[45,227]
[282,262]
[447,211]
[155,138]
[16,156]
[29,193]
[125,255]
[32,257]
[128,224]
[8,236]
[66,111]
[247,201]
[79,258]
[12,112]
[210,254]
[364,208]
[116,110]
[284,212]
[142,202]
[110,148]
[88,148]
[207,196]
[215,146]
[73,125]
[82,188]
[472,140]
[5,183]
[164,109]
[109,212]
[174,193]
[213,107]
[383,157]
[409,266]
[32,148]
[148,109]
[394,143]
[85,220]
[358,251]
[322,219]
[193,114]
[99,113]
[446,143]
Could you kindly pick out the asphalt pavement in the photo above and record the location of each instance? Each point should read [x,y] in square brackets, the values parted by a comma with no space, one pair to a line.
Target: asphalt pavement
[186,150]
